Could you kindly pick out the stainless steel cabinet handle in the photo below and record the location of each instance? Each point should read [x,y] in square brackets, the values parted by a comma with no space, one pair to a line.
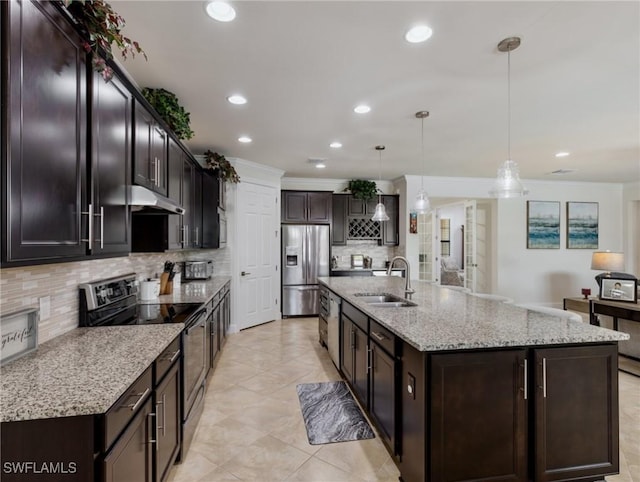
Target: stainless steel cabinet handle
[154,162]
[175,355]
[544,377]
[90,238]
[134,406]
[159,181]
[151,440]
[197,236]
[369,360]
[378,336]
[101,227]
[526,382]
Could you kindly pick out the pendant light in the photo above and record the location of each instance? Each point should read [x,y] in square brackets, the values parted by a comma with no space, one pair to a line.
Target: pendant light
[422,204]
[380,213]
[507,184]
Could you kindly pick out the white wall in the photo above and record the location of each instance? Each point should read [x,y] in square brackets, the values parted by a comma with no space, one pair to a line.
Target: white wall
[335,185]
[631,226]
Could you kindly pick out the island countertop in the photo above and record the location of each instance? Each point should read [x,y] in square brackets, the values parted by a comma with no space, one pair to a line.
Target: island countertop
[446,319]
[82,372]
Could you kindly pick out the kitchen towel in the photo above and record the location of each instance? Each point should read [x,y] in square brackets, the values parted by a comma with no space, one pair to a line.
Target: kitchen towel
[331,414]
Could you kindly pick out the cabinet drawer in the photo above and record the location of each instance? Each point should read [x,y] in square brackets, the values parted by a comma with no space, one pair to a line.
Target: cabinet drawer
[355,315]
[119,415]
[167,358]
[383,337]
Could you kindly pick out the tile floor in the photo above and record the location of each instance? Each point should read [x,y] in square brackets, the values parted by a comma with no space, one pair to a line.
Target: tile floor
[252,428]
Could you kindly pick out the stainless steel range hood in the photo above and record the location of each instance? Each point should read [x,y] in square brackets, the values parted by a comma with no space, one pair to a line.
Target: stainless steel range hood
[146,201]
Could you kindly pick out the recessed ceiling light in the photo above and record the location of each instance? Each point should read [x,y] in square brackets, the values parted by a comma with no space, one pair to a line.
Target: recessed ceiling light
[335,145]
[244,139]
[237,99]
[562,154]
[418,34]
[362,109]
[321,165]
[220,11]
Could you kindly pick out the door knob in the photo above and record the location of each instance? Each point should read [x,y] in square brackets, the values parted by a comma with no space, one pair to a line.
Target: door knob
[244,273]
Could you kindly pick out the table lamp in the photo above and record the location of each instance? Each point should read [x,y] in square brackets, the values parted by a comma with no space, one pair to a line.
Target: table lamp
[607,261]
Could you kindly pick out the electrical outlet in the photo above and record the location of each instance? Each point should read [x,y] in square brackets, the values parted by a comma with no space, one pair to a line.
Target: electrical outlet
[45,307]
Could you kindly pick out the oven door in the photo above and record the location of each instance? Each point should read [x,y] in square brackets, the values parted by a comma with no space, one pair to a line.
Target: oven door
[195,358]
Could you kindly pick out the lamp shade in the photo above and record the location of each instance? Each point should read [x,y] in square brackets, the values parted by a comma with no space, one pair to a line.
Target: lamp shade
[507,184]
[380,213]
[422,204]
[607,261]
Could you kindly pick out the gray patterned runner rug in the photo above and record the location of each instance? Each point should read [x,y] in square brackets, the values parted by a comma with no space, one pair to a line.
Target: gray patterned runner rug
[331,414]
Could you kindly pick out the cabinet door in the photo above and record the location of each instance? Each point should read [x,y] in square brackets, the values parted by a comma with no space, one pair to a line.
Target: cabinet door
[110,165]
[294,207]
[210,223]
[143,168]
[382,394]
[131,457]
[576,426]
[390,230]
[196,218]
[319,207]
[168,422]
[45,158]
[346,348]
[361,365]
[356,207]
[213,333]
[339,223]
[174,188]
[187,202]
[159,142]
[478,416]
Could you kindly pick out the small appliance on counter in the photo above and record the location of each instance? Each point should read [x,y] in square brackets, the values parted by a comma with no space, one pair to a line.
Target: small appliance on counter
[197,270]
[357,261]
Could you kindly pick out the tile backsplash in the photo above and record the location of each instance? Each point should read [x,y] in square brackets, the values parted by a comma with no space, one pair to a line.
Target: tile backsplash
[379,254]
[22,288]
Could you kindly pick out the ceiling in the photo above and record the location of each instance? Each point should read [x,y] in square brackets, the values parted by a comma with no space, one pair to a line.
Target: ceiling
[304,66]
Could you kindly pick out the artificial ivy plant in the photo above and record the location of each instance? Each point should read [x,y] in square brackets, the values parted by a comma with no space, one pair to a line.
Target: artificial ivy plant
[225,170]
[169,108]
[362,189]
[102,27]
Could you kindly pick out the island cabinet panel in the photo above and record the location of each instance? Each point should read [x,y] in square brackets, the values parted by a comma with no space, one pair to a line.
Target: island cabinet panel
[48,449]
[383,394]
[168,426]
[478,416]
[576,412]
[44,137]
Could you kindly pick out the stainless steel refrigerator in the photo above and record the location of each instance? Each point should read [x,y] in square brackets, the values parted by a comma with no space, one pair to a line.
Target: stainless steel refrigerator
[305,256]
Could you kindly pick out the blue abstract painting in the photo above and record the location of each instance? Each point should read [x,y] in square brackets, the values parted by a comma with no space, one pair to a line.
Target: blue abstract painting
[582,225]
[543,225]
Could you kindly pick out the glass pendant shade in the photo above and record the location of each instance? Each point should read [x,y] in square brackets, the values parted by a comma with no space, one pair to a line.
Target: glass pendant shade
[380,213]
[508,183]
[422,204]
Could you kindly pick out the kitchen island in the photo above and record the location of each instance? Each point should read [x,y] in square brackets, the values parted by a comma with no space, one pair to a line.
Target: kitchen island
[465,388]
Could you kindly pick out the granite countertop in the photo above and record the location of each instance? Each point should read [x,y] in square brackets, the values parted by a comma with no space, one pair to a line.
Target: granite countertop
[452,320]
[192,291]
[82,372]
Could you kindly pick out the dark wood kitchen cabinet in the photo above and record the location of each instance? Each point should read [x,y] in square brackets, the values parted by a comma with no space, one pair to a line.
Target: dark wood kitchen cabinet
[360,208]
[306,206]
[355,351]
[390,233]
[168,422]
[576,412]
[111,106]
[150,151]
[44,92]
[479,415]
[210,215]
[339,223]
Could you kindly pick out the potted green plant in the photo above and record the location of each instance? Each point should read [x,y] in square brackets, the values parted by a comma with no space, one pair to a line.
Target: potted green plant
[362,189]
[225,170]
[102,27]
[167,105]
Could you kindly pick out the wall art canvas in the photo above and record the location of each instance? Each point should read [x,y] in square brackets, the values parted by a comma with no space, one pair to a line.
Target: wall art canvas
[543,225]
[582,225]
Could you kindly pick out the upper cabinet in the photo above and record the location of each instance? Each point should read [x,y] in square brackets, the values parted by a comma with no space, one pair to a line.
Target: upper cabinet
[150,154]
[111,105]
[44,92]
[306,207]
[352,220]
[210,215]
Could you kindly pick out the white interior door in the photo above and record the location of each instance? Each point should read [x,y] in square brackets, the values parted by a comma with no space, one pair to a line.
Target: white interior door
[483,247]
[258,245]
[470,258]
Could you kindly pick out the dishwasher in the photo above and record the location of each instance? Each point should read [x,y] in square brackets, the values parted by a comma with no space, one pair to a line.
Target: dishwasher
[333,329]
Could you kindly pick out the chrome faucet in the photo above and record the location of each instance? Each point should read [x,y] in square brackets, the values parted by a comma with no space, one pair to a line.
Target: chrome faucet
[408,290]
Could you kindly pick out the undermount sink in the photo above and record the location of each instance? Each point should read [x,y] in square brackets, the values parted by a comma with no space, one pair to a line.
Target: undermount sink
[384,300]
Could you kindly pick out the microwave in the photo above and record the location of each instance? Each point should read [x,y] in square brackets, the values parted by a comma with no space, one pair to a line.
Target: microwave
[197,270]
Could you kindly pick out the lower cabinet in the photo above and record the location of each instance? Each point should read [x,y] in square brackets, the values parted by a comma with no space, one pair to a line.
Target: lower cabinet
[541,414]
[383,394]
[131,458]
[355,359]
[167,434]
